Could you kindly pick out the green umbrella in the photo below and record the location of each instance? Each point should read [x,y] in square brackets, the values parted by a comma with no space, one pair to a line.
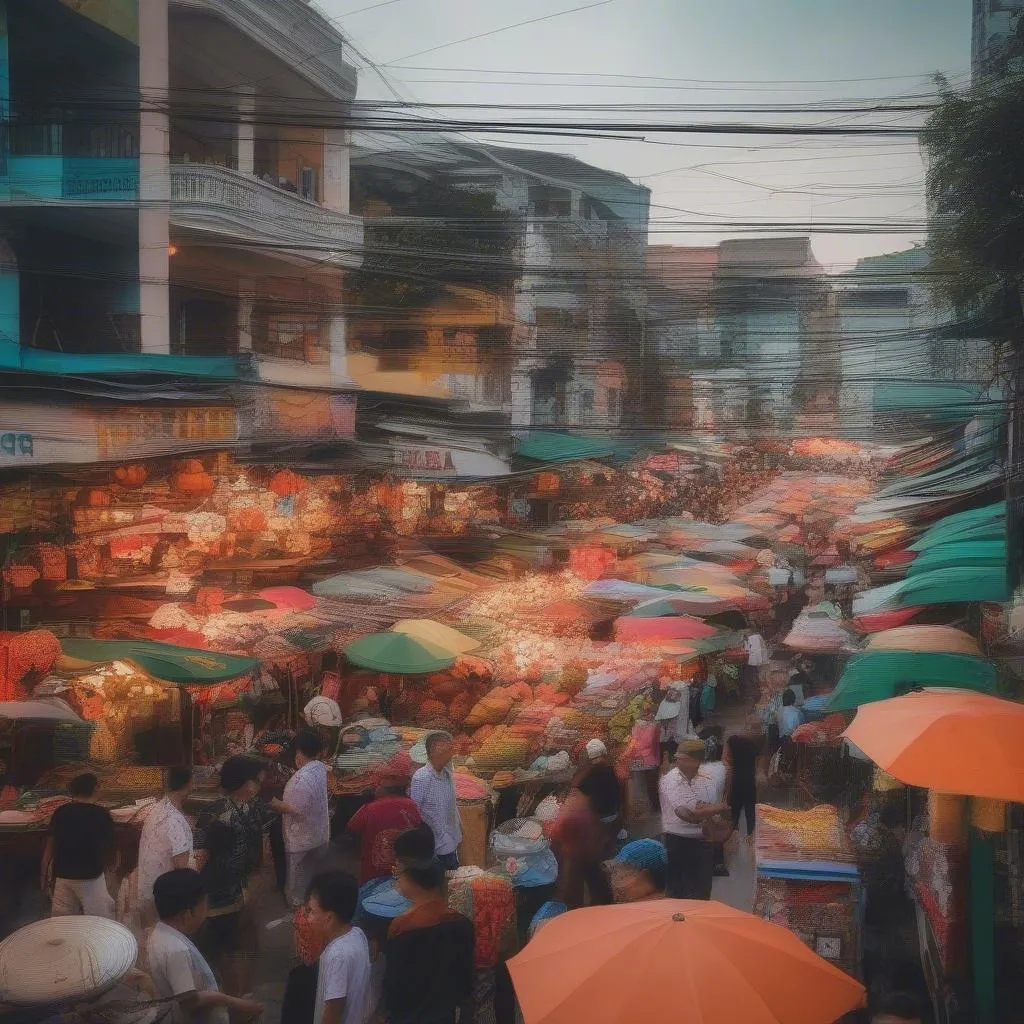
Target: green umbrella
[162,661]
[879,675]
[398,654]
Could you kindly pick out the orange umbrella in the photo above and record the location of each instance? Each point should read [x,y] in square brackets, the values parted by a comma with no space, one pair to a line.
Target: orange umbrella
[673,960]
[953,742]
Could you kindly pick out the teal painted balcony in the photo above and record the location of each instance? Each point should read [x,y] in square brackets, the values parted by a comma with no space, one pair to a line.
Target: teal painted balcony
[55,163]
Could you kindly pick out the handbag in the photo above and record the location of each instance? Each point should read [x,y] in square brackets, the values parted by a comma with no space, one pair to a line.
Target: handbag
[717,830]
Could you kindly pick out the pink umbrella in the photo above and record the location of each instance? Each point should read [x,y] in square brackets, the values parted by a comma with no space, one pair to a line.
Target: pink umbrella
[669,627]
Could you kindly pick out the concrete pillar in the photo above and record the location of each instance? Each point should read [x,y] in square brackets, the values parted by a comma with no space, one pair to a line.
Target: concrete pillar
[338,336]
[154,179]
[522,397]
[245,130]
[336,170]
[246,304]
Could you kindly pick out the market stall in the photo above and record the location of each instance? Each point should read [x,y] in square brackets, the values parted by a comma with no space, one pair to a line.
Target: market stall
[808,882]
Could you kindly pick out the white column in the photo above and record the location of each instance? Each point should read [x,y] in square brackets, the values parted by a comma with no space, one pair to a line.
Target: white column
[336,170]
[246,304]
[154,178]
[338,335]
[522,396]
[245,130]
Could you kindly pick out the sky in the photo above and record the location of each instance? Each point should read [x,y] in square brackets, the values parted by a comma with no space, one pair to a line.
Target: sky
[682,53]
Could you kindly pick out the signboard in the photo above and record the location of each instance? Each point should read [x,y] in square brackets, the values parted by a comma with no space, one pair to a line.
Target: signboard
[437,462]
[34,435]
[134,433]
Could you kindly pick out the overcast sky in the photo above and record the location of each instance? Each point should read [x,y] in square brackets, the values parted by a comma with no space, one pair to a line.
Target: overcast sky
[689,52]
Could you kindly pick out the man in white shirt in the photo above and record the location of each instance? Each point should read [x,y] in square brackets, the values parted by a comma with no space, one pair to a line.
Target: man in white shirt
[307,821]
[166,840]
[757,656]
[433,791]
[343,975]
[179,971]
[685,805]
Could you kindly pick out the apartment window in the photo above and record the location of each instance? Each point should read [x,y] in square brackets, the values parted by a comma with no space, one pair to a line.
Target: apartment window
[548,201]
[586,405]
[308,184]
[614,405]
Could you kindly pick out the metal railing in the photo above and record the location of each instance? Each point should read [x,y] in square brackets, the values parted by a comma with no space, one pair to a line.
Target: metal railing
[208,196]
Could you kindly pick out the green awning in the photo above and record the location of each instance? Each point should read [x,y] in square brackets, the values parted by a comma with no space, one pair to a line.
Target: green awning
[956,585]
[948,402]
[879,675]
[973,553]
[172,664]
[974,524]
[398,654]
[545,446]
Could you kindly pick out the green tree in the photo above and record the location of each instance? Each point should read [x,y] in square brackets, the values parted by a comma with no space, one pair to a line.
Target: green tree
[437,234]
[975,152]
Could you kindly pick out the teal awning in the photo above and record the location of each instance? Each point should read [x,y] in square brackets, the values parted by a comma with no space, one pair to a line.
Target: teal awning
[545,446]
[398,654]
[879,675]
[948,402]
[988,522]
[956,585]
[990,553]
[172,664]
[33,360]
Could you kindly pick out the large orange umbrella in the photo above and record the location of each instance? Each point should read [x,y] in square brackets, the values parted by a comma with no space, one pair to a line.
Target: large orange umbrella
[669,961]
[953,742]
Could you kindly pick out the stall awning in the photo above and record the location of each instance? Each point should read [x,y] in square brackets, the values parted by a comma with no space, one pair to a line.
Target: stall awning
[51,710]
[545,446]
[184,665]
[438,634]
[975,553]
[398,654]
[879,675]
[952,585]
[948,402]
[973,524]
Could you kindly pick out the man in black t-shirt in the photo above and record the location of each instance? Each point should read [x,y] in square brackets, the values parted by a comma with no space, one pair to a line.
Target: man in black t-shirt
[77,853]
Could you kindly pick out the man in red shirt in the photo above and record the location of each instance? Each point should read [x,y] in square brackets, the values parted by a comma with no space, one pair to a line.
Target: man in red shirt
[379,822]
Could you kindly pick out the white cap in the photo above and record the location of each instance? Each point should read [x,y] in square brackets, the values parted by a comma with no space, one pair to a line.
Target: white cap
[596,749]
[322,711]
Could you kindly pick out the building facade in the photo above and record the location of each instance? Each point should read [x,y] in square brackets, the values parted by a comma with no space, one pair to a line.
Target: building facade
[894,332]
[743,332]
[570,338]
[156,214]
[994,25]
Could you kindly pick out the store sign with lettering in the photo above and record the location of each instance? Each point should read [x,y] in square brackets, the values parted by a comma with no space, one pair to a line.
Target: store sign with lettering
[141,432]
[436,463]
[439,461]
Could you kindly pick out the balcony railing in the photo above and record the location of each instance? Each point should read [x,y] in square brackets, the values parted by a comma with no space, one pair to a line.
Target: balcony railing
[216,200]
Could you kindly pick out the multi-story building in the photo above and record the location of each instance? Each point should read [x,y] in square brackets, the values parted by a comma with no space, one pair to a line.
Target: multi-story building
[994,25]
[894,332]
[571,331]
[168,199]
[743,333]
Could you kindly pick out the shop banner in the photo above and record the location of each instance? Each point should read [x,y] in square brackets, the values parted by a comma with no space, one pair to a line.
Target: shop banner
[438,462]
[36,435]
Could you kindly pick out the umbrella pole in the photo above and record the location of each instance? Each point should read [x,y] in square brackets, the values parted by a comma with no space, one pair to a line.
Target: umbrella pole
[982,895]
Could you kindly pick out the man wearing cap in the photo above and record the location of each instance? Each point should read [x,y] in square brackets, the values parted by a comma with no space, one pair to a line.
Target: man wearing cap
[638,873]
[600,785]
[685,806]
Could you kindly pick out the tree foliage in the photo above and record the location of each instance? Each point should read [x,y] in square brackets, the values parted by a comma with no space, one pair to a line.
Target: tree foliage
[437,234]
[975,150]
